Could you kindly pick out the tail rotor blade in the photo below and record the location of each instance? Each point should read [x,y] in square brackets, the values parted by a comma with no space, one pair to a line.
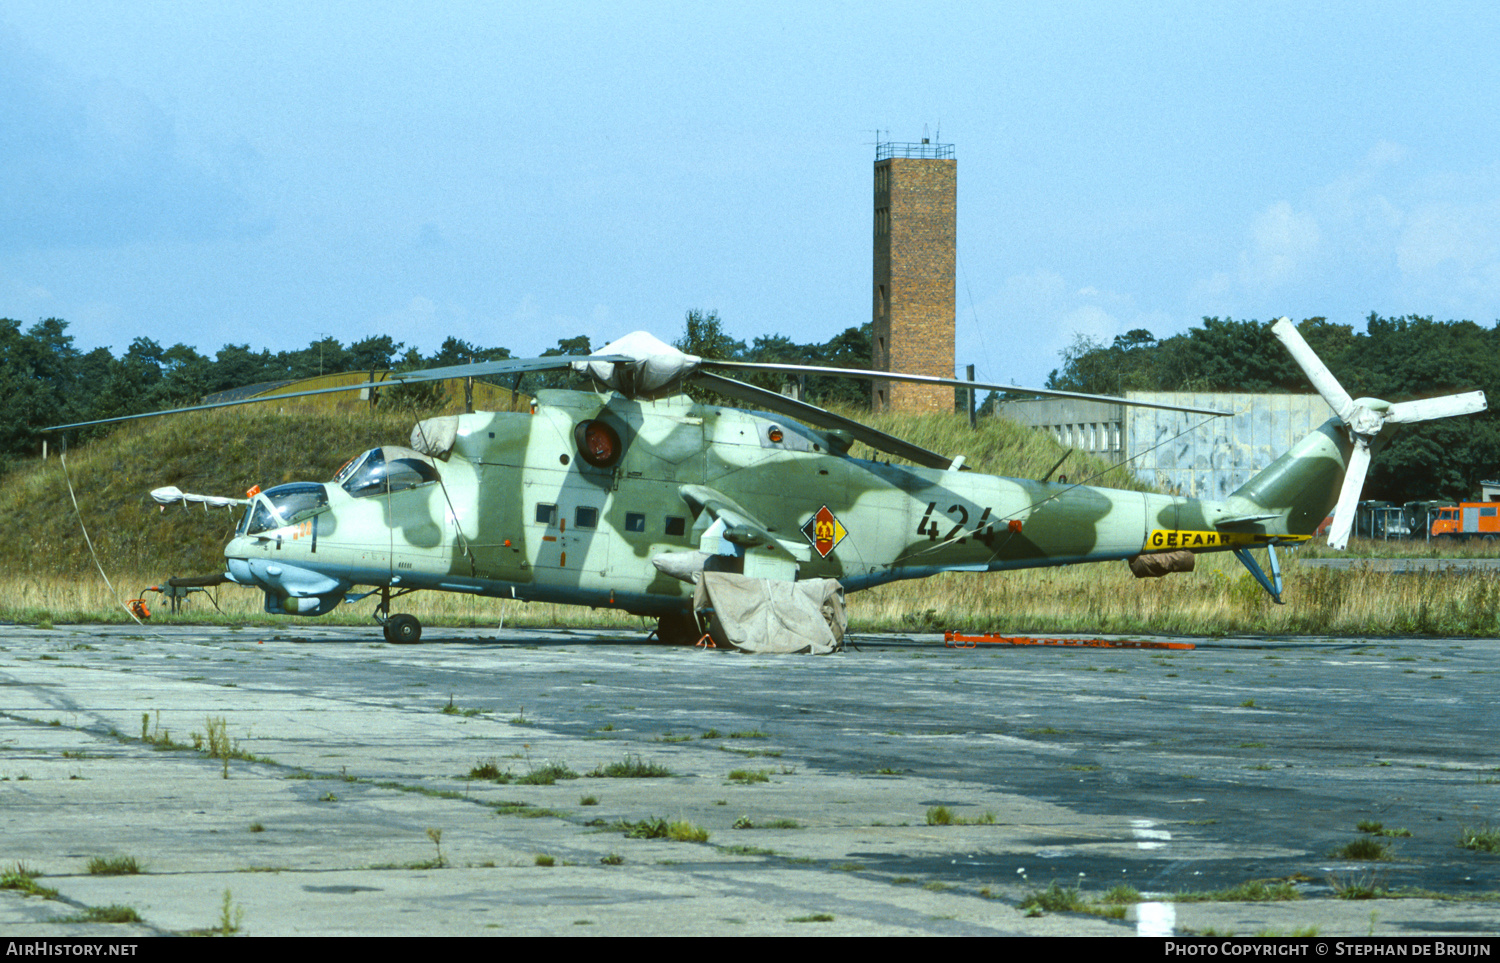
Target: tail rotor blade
[1407,412]
[1317,372]
[1354,483]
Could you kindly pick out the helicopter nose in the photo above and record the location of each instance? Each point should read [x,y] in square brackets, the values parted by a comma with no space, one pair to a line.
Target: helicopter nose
[284,580]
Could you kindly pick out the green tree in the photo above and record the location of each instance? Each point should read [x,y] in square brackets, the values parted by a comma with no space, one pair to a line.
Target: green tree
[37,377]
[703,335]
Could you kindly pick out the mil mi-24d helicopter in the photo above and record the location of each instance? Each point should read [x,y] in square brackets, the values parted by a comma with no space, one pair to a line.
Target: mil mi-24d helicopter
[623,496]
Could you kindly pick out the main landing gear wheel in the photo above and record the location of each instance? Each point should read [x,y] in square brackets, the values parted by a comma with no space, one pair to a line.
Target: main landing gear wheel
[403,629]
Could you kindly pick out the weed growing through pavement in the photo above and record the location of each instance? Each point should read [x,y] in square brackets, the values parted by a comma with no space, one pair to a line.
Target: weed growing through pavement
[1066,899]
[1364,848]
[452,709]
[631,767]
[682,831]
[491,771]
[1054,899]
[652,828]
[218,741]
[114,866]
[655,827]
[102,914]
[546,774]
[22,878]
[1253,891]
[1121,895]
[231,917]
[1361,886]
[155,736]
[1482,839]
[747,776]
[744,822]
[943,816]
[436,835]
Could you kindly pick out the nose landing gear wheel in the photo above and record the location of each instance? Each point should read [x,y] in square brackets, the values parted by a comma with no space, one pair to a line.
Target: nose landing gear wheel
[403,629]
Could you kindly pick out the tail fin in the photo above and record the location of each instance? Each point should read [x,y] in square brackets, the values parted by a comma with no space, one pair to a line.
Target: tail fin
[1298,490]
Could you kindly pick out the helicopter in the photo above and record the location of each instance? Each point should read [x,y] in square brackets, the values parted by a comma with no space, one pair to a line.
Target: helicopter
[625,496]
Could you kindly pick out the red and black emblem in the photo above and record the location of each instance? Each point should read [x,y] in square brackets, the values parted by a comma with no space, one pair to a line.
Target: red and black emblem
[824,530]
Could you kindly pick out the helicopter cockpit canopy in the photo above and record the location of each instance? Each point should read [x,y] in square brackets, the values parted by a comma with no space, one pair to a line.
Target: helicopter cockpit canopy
[389,468]
[282,506]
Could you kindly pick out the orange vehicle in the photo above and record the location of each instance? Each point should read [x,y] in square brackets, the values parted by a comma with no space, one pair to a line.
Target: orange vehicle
[1468,520]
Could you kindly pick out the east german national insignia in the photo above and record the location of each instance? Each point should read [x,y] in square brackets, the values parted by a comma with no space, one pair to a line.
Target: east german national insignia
[825,531]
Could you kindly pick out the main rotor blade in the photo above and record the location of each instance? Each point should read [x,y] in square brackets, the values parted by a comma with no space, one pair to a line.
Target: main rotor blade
[552,362]
[823,418]
[1317,372]
[1426,409]
[869,375]
[388,379]
[1354,483]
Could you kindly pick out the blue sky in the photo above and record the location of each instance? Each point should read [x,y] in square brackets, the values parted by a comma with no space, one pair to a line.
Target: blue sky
[270,173]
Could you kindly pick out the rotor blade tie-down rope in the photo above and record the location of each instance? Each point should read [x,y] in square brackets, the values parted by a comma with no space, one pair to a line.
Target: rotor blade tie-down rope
[452,513]
[78,513]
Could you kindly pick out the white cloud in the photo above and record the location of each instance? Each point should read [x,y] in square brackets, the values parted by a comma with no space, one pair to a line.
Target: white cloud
[1284,248]
[1379,236]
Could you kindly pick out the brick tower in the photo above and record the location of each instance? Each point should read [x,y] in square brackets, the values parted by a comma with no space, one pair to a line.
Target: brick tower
[916,202]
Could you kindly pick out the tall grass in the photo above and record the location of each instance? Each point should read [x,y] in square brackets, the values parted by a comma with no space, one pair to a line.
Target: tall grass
[1220,597]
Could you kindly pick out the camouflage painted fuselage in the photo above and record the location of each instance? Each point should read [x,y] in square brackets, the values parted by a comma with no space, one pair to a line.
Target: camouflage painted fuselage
[518,513]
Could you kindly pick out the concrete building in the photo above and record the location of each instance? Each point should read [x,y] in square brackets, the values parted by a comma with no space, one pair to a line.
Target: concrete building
[1180,453]
[915,238]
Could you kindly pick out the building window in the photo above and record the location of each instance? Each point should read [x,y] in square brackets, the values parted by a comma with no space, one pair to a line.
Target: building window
[546,514]
[676,525]
[635,522]
[586,516]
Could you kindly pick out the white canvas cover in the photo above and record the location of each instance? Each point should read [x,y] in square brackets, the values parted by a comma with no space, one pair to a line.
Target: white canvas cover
[768,615]
[435,436]
[658,367]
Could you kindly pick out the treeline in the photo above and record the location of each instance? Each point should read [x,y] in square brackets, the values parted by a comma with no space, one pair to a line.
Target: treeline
[46,380]
[1396,359]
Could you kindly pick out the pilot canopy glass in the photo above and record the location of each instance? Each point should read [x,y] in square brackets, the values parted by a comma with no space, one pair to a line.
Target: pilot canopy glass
[380,471]
[284,505]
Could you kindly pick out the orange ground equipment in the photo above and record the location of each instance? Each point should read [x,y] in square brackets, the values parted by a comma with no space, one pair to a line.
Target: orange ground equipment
[955,640]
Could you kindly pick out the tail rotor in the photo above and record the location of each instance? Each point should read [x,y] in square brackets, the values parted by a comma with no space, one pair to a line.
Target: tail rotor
[1365,418]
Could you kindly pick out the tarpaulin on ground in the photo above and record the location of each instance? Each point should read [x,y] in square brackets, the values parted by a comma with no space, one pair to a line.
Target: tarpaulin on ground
[766,615]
